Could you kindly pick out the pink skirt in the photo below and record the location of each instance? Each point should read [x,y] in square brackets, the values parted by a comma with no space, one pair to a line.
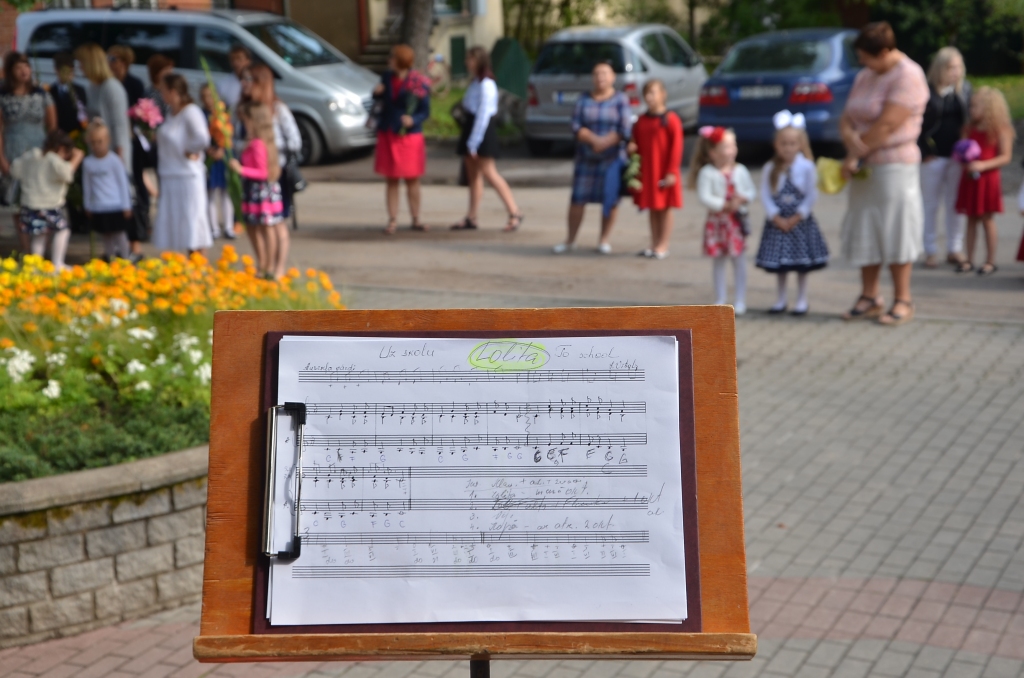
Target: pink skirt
[400,156]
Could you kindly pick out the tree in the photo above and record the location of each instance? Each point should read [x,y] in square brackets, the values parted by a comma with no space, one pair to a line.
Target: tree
[737,19]
[417,22]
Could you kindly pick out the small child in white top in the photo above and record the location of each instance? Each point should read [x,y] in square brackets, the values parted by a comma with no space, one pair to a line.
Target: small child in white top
[45,175]
[107,197]
[791,240]
[723,186]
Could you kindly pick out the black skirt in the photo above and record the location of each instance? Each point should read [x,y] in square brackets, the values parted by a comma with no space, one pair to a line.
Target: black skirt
[109,222]
[489,146]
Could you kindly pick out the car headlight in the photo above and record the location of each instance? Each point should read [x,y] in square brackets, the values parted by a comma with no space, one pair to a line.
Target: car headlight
[344,106]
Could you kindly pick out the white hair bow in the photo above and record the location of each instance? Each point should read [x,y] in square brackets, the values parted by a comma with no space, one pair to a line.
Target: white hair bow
[784,119]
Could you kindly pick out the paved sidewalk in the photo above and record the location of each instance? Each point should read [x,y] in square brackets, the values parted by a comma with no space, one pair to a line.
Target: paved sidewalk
[883,483]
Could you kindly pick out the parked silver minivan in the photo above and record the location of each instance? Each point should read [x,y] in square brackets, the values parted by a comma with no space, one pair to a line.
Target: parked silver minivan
[329,94]
[637,53]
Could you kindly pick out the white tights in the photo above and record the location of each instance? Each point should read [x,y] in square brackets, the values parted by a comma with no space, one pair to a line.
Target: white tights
[739,267]
[219,198]
[116,245]
[58,248]
[801,298]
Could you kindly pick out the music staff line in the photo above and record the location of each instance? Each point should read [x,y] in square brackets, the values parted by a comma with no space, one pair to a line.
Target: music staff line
[465,376]
[478,440]
[410,571]
[317,472]
[453,409]
[474,504]
[467,538]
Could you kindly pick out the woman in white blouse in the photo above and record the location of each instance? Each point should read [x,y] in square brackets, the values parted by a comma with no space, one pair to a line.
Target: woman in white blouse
[182,220]
[478,143]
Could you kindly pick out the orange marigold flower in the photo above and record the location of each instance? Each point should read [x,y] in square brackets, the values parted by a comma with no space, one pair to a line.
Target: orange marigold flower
[293,272]
[179,309]
[6,343]
[96,361]
[142,309]
[161,304]
[30,327]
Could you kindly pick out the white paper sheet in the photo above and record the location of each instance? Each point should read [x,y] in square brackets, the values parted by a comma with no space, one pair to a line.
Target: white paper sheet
[484,480]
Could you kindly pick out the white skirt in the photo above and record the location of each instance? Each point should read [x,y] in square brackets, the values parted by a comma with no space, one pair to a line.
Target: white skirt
[182,215]
[884,222]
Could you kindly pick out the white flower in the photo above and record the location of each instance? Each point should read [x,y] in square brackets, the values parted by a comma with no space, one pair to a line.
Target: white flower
[160,360]
[60,338]
[115,321]
[52,390]
[142,334]
[110,350]
[177,370]
[184,341]
[135,366]
[146,345]
[195,355]
[134,315]
[92,376]
[58,359]
[19,364]
[203,372]
[118,305]
[143,386]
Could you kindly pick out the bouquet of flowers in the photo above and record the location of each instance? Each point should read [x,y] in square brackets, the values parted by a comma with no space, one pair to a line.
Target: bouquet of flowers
[418,87]
[146,116]
[631,177]
[221,133]
[221,129]
[965,151]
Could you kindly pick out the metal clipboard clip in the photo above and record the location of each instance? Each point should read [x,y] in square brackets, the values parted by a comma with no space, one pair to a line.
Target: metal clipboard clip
[279,530]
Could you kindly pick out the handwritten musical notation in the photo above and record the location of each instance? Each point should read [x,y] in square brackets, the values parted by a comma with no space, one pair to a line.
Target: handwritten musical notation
[465,376]
[478,440]
[513,537]
[421,472]
[561,408]
[550,464]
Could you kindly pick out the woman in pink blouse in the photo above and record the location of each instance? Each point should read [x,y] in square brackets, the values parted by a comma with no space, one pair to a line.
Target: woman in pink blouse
[880,126]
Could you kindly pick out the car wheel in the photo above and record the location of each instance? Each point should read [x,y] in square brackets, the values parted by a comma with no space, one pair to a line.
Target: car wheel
[539,148]
[312,142]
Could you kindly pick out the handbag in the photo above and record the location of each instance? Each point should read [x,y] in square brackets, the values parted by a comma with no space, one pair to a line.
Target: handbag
[9,189]
[292,181]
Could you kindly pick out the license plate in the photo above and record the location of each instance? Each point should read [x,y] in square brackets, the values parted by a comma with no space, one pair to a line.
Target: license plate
[761,92]
[567,98]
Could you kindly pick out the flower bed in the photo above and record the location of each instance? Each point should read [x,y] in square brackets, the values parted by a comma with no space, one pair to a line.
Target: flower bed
[105,363]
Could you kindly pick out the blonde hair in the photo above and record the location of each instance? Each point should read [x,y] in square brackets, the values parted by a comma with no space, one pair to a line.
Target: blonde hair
[260,125]
[778,164]
[94,63]
[938,66]
[995,117]
[702,156]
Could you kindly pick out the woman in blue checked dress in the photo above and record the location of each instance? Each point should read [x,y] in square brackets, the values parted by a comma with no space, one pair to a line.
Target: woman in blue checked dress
[602,124]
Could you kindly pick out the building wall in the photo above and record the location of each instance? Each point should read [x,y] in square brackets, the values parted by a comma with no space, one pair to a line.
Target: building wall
[337,22]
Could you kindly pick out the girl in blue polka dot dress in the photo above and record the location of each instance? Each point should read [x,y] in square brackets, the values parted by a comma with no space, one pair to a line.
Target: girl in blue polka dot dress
[791,239]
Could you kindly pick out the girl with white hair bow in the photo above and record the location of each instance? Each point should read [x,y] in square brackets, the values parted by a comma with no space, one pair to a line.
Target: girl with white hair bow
[791,241]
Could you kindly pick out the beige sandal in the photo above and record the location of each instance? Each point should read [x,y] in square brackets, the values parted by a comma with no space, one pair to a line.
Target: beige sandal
[871,312]
[892,319]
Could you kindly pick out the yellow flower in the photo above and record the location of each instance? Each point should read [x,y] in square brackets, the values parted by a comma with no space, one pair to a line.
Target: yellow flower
[311,286]
[10,264]
[179,309]
[30,327]
[161,304]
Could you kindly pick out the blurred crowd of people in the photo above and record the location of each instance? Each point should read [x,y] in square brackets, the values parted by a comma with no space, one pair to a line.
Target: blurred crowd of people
[222,156]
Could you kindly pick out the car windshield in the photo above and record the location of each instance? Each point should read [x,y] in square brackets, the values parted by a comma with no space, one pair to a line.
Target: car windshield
[295,44]
[578,58]
[777,56]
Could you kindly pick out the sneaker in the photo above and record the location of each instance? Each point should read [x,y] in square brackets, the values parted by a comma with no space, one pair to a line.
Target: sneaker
[604,248]
[645,253]
[739,308]
[230,235]
[563,247]
[659,255]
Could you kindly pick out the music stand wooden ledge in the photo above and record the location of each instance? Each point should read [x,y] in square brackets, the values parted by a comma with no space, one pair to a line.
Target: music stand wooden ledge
[234,510]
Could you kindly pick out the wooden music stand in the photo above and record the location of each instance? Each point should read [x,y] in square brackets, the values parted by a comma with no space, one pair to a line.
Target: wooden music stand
[235,505]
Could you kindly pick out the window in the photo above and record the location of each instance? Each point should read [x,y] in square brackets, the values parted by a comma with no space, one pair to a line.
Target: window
[214,45]
[147,39]
[679,53]
[798,56]
[651,44]
[296,45]
[849,53]
[578,58]
[50,39]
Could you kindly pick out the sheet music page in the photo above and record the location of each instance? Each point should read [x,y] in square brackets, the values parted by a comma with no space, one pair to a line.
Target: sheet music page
[448,480]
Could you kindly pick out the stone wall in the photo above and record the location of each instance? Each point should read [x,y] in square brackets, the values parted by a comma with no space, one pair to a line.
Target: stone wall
[96,547]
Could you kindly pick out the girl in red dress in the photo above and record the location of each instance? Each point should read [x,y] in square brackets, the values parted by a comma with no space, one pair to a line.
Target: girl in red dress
[981,196]
[658,138]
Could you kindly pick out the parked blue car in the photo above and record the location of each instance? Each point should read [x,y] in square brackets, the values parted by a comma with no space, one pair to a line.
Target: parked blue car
[808,70]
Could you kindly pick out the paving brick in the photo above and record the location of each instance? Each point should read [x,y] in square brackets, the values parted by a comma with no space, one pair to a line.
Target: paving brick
[142,505]
[145,562]
[46,553]
[174,526]
[84,576]
[62,612]
[113,540]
